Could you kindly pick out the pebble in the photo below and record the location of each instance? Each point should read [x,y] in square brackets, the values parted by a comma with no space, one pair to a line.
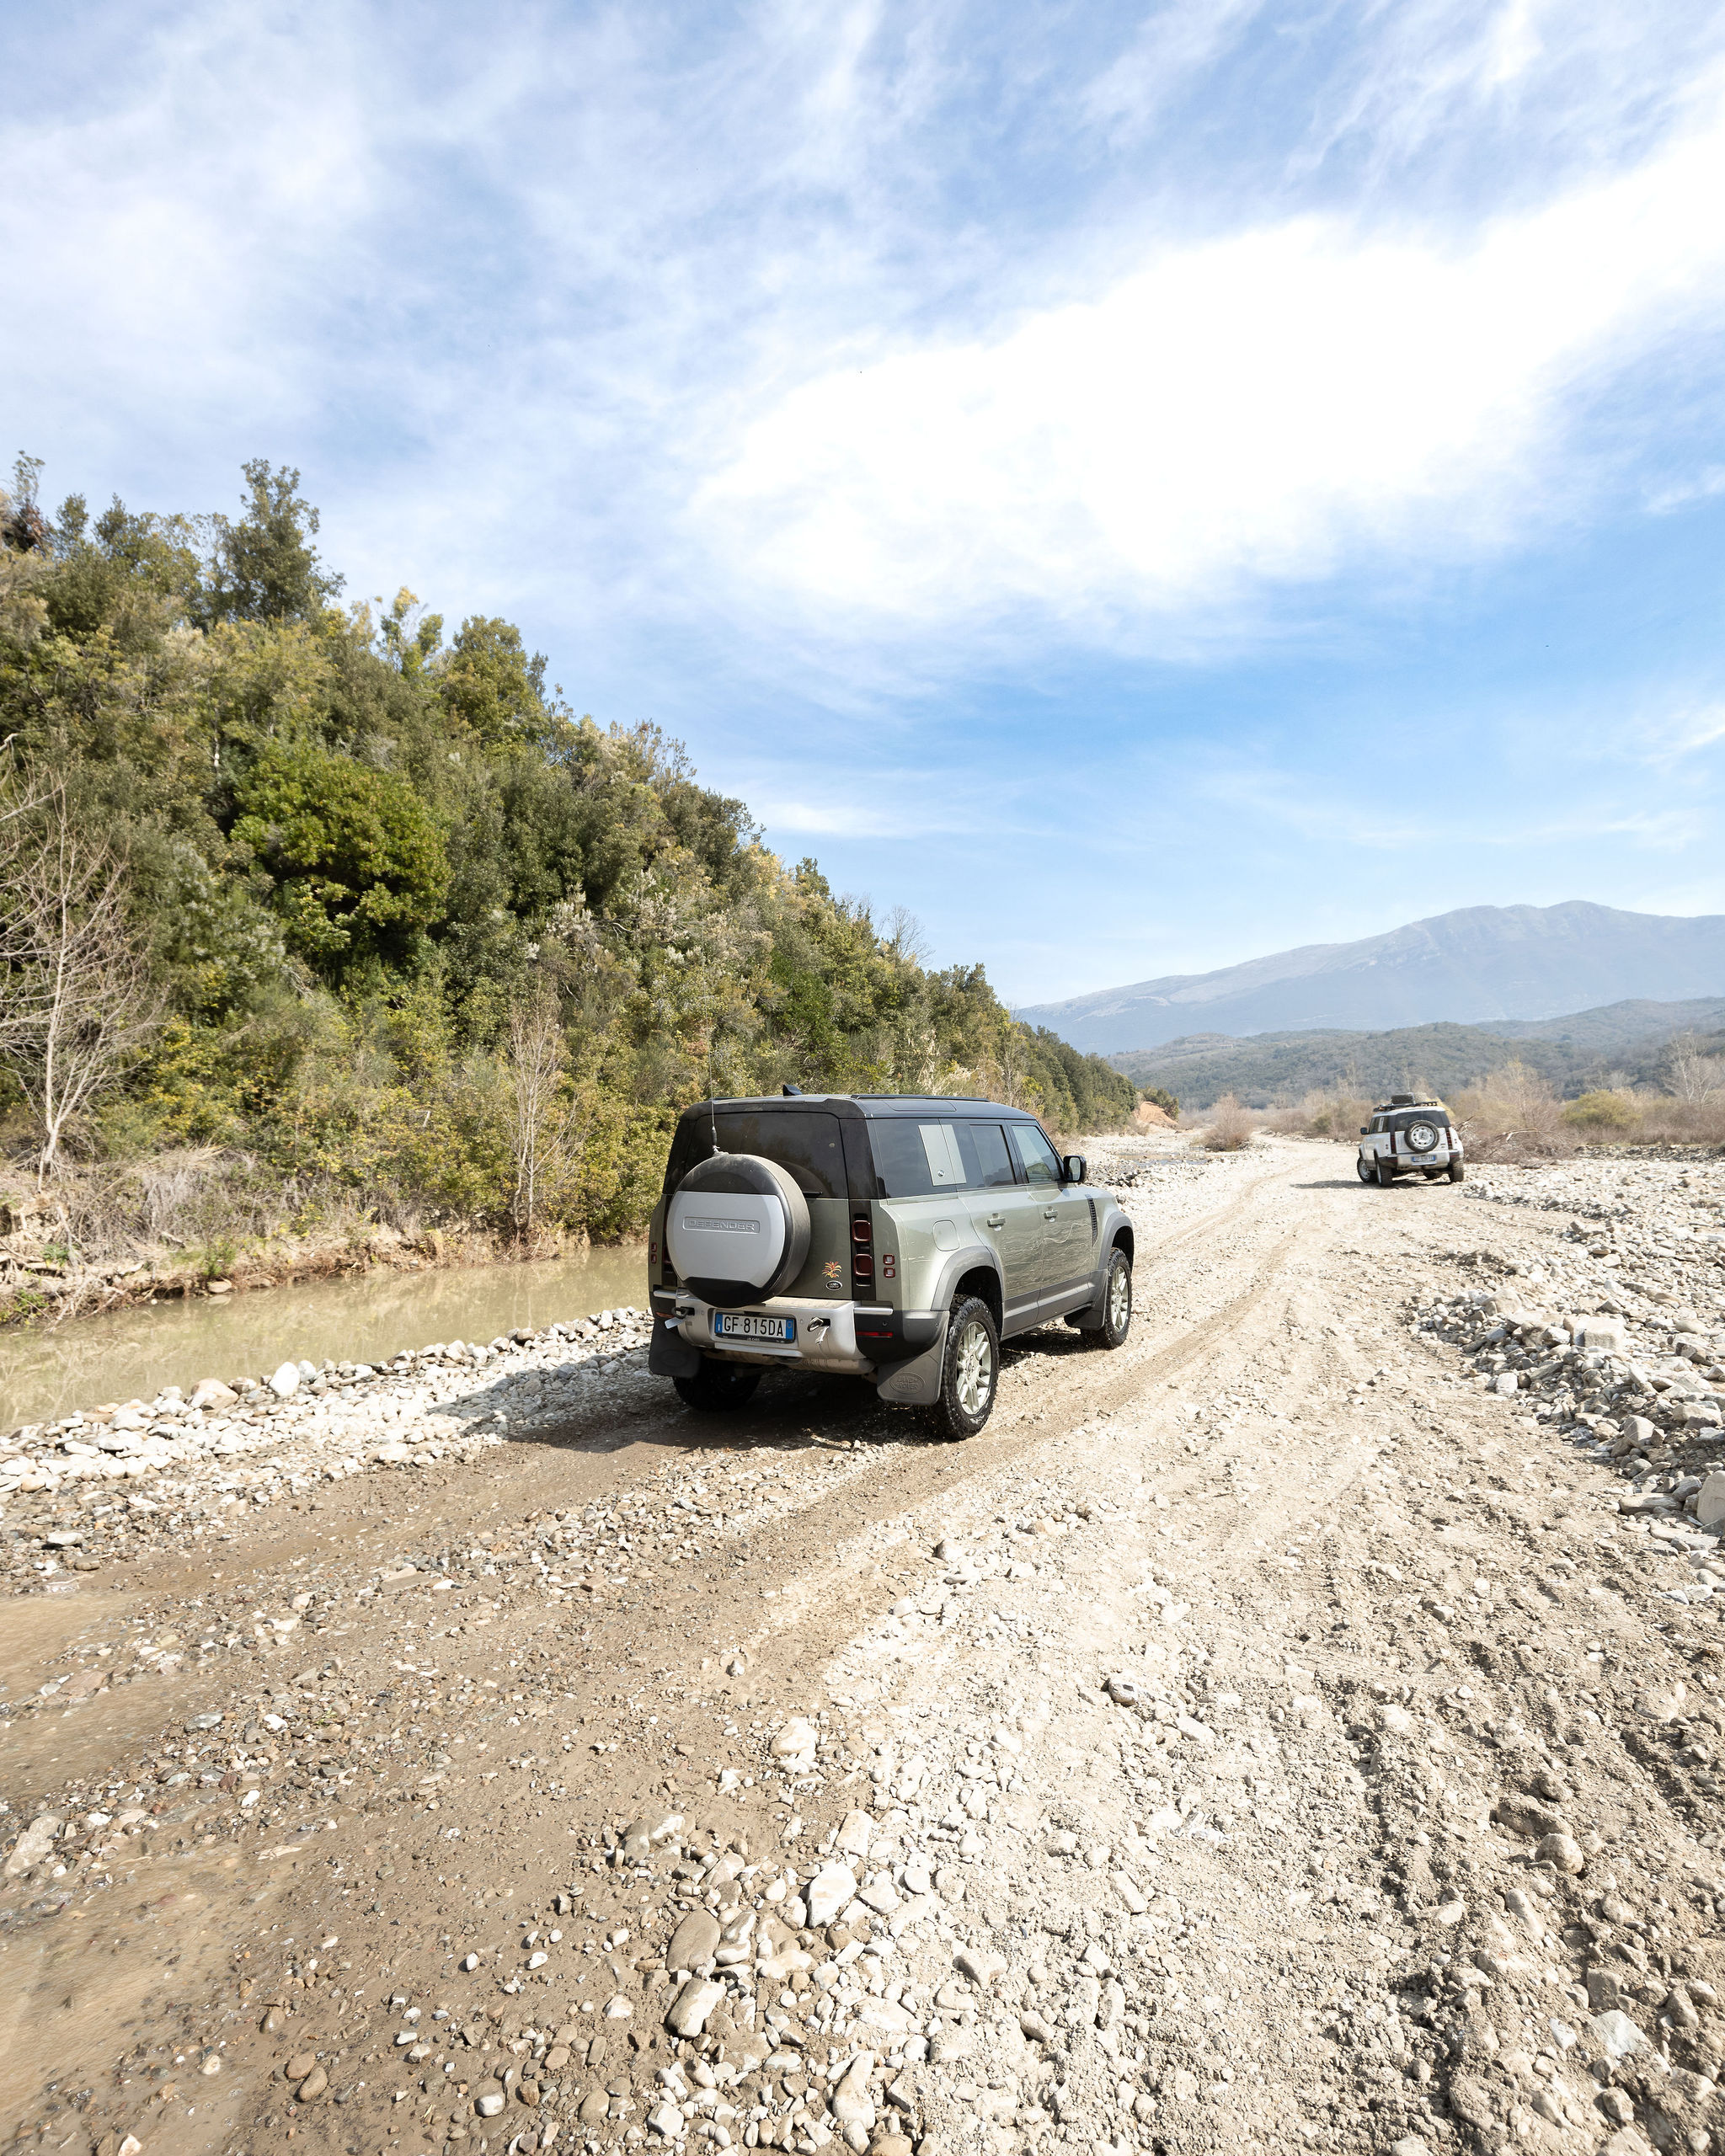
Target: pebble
[691,2006]
[855,1834]
[488,2101]
[284,1381]
[694,1942]
[1562,1851]
[852,2104]
[795,1744]
[829,1892]
[981,1965]
[312,2087]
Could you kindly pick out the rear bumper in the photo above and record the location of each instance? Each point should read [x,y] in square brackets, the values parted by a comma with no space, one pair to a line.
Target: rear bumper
[857,1339]
[1440,1156]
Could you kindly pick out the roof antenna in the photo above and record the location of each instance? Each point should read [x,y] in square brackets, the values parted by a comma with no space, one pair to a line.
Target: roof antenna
[711,1102]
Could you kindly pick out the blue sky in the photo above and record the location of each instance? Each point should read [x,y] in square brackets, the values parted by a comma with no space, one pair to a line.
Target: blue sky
[1140,487]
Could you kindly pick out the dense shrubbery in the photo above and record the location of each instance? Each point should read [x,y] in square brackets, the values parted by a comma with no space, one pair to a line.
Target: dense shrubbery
[416,936]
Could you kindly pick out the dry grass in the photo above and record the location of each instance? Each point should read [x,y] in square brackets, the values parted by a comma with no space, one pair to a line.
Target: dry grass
[1334,1115]
[1229,1127]
[1513,1115]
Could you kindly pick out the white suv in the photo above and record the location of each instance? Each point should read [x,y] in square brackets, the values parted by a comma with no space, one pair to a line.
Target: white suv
[1409,1135]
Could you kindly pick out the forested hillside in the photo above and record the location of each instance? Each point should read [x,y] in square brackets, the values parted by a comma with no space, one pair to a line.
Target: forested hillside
[362,911]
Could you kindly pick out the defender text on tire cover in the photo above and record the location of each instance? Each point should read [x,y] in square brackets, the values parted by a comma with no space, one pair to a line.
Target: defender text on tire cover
[737,1229]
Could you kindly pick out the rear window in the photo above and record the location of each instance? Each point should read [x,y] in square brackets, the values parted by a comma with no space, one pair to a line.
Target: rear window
[918,1159]
[1405,1118]
[804,1142]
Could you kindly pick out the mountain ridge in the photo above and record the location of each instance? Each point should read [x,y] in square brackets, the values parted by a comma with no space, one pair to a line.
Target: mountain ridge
[1617,1041]
[1476,965]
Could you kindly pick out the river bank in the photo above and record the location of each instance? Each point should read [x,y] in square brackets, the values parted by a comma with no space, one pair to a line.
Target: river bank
[49,1370]
[44,1276]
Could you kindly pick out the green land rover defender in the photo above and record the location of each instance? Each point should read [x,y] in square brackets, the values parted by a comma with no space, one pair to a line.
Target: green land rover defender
[886,1236]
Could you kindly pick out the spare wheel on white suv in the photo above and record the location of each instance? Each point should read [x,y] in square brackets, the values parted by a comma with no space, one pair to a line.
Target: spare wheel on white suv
[737,1231]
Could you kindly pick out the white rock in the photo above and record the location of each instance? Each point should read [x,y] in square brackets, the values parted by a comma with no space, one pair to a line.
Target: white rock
[830,1893]
[856,1833]
[1618,2034]
[667,2122]
[33,1844]
[795,1744]
[211,1392]
[1395,1721]
[878,1894]
[692,2004]
[1605,1334]
[618,2009]
[286,1381]
[981,1965]
[852,2104]
[1505,1382]
[1710,1500]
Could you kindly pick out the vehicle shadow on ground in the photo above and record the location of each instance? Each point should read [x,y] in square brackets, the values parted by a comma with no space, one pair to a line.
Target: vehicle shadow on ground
[792,1411]
[1353,1183]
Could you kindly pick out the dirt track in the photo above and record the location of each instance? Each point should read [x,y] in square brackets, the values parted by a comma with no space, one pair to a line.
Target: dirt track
[1360,1606]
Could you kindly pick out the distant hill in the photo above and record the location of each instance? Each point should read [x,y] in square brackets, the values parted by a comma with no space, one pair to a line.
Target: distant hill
[1478,966]
[1619,1042]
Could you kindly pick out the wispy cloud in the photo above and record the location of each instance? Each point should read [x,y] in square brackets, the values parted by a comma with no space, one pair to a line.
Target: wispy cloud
[1259,409]
[1010,397]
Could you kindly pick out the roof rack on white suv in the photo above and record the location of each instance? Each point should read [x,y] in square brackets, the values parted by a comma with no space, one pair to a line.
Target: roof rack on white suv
[1411,1133]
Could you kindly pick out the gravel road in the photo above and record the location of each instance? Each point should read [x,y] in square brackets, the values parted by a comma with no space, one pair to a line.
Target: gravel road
[1279,1734]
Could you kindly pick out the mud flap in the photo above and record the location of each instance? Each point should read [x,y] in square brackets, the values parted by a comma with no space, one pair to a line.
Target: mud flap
[668,1355]
[915,1384]
[1096,1316]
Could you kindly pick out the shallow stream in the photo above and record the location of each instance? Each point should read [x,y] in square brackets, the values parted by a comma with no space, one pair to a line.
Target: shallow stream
[47,1370]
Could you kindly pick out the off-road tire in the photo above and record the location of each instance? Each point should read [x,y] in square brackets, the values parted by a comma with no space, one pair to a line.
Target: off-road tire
[718,1388]
[969,1371]
[1456,1171]
[1365,1170]
[1116,1304]
[1386,1175]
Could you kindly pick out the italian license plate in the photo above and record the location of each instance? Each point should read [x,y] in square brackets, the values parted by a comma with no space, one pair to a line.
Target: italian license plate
[739,1324]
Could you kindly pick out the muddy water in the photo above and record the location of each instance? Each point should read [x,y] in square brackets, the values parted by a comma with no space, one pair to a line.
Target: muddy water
[45,1371]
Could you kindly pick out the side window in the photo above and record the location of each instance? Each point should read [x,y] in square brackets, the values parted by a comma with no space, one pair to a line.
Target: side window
[900,1161]
[988,1165]
[940,1148]
[1036,1156]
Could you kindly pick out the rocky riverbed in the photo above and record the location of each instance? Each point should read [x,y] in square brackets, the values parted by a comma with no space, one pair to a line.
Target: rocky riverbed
[1280,1734]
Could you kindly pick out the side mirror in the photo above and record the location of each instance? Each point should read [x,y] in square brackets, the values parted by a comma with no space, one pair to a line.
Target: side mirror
[1364,1131]
[1073,1167]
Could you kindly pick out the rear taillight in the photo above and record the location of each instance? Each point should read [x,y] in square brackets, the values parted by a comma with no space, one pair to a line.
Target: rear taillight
[862,1253]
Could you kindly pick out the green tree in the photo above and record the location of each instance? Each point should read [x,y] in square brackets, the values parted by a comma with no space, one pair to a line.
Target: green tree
[356,862]
[491,685]
[265,566]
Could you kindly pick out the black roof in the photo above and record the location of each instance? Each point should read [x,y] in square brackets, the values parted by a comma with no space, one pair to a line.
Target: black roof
[1399,1102]
[872,1105]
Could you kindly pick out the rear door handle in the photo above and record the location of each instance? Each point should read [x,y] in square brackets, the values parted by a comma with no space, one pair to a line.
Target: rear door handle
[1047,1212]
[996,1220]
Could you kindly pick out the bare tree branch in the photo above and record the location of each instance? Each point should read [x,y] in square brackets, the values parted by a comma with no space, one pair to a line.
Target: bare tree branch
[76,1003]
[540,1112]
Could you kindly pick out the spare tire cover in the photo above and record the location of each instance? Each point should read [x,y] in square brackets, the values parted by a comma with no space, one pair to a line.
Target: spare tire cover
[1421,1136]
[737,1229]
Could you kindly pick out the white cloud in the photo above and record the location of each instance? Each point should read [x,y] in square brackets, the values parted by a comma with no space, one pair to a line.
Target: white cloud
[1254,408]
